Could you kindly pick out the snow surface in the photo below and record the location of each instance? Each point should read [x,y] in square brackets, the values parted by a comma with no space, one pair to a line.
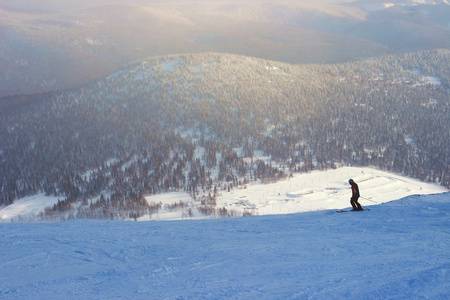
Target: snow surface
[428,79]
[380,5]
[377,6]
[28,206]
[398,250]
[324,190]
[314,191]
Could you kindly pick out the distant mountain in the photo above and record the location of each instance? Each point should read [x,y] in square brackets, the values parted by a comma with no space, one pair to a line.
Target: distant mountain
[200,123]
[58,45]
[384,4]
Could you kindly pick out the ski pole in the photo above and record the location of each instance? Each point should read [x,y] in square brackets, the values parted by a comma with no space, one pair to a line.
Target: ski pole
[369,200]
[365,208]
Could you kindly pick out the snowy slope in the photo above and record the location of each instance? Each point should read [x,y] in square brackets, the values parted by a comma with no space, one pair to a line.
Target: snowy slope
[380,5]
[398,250]
[28,206]
[300,193]
[325,190]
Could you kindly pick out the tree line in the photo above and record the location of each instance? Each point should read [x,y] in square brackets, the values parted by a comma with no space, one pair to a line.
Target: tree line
[195,122]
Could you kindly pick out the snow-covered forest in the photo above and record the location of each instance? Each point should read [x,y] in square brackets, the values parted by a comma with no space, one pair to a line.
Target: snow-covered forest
[197,123]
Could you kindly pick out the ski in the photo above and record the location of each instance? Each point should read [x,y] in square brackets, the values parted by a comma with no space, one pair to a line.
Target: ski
[342,211]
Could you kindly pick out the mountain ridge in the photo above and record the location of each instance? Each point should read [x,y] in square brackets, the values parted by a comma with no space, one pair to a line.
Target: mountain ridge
[68,48]
[197,122]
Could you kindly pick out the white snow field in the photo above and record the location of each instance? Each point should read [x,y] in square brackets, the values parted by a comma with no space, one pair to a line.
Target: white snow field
[314,191]
[397,250]
[320,190]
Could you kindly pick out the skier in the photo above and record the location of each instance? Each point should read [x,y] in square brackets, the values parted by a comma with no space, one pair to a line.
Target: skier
[355,195]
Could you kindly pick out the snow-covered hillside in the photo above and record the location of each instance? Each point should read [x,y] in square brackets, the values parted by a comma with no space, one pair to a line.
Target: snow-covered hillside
[318,190]
[398,250]
[325,190]
[380,5]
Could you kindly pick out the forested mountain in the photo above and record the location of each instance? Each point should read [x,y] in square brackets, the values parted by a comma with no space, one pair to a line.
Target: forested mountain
[194,122]
[59,44]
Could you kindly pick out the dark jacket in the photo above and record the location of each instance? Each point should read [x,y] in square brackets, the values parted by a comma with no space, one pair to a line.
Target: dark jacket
[355,191]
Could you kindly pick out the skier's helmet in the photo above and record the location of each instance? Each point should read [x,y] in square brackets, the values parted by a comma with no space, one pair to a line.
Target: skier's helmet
[350,181]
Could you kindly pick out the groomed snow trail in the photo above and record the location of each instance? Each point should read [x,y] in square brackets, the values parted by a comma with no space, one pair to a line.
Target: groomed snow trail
[397,250]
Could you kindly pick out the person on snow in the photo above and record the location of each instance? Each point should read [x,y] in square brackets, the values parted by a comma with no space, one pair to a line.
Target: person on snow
[355,196]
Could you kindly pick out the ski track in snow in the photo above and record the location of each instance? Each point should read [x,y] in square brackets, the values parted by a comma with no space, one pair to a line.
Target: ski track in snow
[324,190]
[397,250]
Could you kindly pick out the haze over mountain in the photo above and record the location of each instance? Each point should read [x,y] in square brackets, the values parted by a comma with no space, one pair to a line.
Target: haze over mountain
[55,45]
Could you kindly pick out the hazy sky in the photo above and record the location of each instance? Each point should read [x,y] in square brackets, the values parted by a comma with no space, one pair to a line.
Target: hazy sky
[55,5]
